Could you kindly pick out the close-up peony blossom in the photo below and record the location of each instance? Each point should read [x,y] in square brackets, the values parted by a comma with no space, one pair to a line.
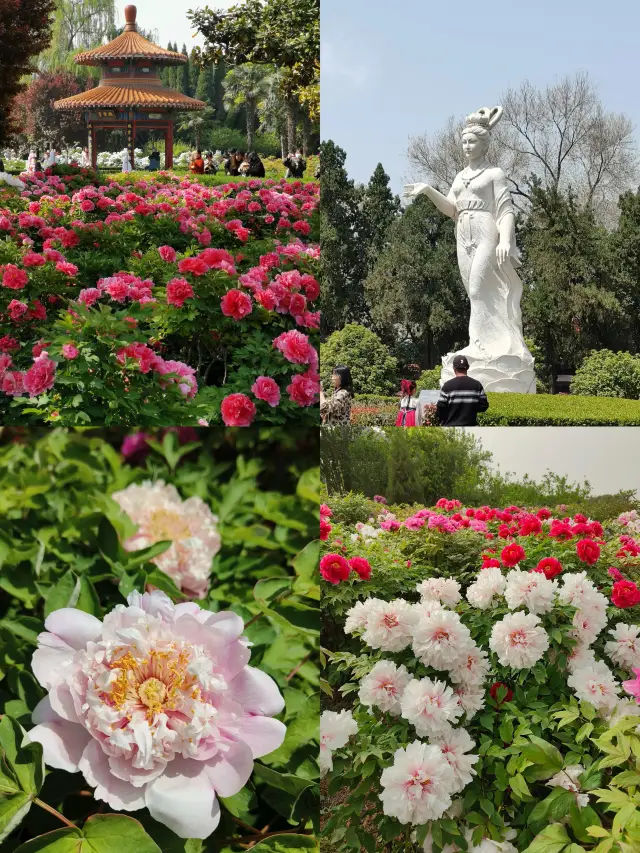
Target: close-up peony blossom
[518,640]
[489,584]
[441,640]
[597,685]
[531,589]
[267,389]
[357,615]
[384,686]
[237,410]
[160,514]
[156,706]
[455,745]
[335,730]
[389,625]
[430,706]
[334,568]
[418,785]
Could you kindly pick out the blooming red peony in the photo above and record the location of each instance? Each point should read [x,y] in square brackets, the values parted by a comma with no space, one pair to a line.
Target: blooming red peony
[178,291]
[14,278]
[550,567]
[237,410]
[265,388]
[588,551]
[236,304]
[196,266]
[625,594]
[325,529]
[70,352]
[40,376]
[294,346]
[512,555]
[167,253]
[361,567]
[334,568]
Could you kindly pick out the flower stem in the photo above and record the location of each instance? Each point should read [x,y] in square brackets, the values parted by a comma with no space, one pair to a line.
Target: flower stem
[52,811]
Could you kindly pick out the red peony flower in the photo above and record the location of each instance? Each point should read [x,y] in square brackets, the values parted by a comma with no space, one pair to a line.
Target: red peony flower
[512,555]
[325,511]
[334,568]
[491,563]
[167,253]
[588,551]
[40,376]
[295,347]
[178,291]
[69,351]
[265,388]
[236,304]
[196,266]
[361,567]
[493,692]
[325,529]
[14,278]
[304,388]
[550,567]
[625,594]
[237,410]
[615,574]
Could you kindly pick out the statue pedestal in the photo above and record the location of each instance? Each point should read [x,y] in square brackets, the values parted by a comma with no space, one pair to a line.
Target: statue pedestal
[508,373]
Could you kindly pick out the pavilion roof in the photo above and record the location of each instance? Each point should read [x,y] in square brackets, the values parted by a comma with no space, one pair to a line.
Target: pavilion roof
[129,45]
[127,95]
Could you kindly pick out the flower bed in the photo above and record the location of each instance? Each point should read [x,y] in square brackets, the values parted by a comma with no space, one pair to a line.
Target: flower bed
[158,636]
[519,410]
[153,301]
[482,697]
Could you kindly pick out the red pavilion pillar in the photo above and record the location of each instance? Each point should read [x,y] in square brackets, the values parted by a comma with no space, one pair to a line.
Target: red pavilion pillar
[168,147]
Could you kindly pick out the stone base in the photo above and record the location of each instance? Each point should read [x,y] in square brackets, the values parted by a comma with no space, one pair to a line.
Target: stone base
[508,373]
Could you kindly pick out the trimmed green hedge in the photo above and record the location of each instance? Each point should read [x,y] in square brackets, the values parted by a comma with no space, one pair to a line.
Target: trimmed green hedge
[525,410]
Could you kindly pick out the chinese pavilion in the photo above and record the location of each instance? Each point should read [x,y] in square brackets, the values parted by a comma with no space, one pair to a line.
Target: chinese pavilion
[130,95]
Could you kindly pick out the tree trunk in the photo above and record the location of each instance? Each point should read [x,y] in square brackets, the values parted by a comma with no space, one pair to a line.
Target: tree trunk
[306,133]
[283,145]
[251,124]
[291,124]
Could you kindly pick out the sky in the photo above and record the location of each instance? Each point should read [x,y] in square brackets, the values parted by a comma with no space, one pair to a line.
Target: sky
[169,18]
[605,456]
[393,70]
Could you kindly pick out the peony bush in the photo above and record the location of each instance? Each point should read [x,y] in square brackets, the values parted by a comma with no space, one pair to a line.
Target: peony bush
[152,301]
[484,695]
[158,626]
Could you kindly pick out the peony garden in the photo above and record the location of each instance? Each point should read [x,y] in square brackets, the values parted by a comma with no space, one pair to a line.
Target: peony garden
[154,301]
[158,640]
[482,680]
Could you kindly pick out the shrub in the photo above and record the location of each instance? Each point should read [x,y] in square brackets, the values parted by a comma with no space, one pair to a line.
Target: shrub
[608,374]
[429,379]
[373,368]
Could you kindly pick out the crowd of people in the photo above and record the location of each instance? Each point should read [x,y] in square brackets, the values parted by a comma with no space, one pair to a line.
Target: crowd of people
[235,163]
[460,401]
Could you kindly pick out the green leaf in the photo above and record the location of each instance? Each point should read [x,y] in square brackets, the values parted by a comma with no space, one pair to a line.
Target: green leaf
[552,839]
[146,555]
[73,591]
[283,843]
[25,761]
[268,589]
[547,760]
[309,485]
[110,833]
[165,583]
[13,809]
[300,616]
[306,562]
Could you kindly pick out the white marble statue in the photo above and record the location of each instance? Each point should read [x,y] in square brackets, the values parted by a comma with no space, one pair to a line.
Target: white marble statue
[31,162]
[480,204]
[126,161]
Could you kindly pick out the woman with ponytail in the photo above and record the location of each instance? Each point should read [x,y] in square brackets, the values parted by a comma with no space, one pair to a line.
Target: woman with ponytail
[409,412]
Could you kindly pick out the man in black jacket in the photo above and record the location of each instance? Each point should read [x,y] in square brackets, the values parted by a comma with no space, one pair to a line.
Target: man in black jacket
[461,398]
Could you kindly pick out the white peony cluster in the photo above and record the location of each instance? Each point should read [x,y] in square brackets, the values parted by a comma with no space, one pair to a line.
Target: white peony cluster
[365,531]
[444,590]
[430,706]
[384,686]
[335,731]
[624,649]
[490,583]
[531,590]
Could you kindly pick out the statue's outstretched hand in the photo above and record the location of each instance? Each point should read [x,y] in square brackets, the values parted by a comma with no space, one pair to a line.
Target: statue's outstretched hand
[413,190]
[502,252]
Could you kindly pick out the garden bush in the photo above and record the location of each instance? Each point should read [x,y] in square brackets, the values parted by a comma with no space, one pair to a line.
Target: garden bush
[429,380]
[608,374]
[155,302]
[248,503]
[373,368]
[479,701]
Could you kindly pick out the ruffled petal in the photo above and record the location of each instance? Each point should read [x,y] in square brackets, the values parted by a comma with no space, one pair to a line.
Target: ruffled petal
[117,793]
[262,734]
[62,743]
[51,659]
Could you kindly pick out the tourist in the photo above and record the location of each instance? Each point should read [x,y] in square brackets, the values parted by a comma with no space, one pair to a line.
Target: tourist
[256,166]
[235,158]
[226,162]
[31,162]
[197,164]
[243,168]
[337,408]
[461,398]
[38,163]
[409,411]
[154,161]
[210,166]
[289,162]
[300,164]
[126,161]
[85,160]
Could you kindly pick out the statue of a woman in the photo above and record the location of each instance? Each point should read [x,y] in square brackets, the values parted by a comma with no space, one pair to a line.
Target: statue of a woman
[480,204]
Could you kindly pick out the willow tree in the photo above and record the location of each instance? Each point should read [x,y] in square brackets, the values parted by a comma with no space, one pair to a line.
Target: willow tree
[77,25]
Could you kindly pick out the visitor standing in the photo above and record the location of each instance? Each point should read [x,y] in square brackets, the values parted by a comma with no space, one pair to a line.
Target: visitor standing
[31,162]
[197,164]
[289,162]
[300,165]
[461,398]
[85,162]
[409,411]
[337,408]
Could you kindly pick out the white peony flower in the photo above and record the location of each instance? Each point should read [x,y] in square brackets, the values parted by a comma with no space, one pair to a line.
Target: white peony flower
[580,657]
[568,779]
[430,706]
[531,589]
[384,686]
[590,619]
[358,614]
[389,625]
[417,787]
[472,668]
[597,685]
[441,640]
[335,731]
[444,590]
[425,609]
[518,640]
[576,589]
[624,649]
[490,583]
[455,745]
[471,698]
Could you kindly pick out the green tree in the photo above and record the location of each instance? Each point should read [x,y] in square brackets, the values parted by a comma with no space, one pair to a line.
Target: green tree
[184,76]
[195,125]
[380,208]
[414,291]
[77,26]
[220,72]
[194,72]
[247,86]
[373,368]
[626,262]
[569,306]
[344,255]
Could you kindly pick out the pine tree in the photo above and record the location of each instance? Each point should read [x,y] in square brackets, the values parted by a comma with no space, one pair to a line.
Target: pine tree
[380,208]
[184,75]
[194,73]
[219,73]
[201,87]
[344,255]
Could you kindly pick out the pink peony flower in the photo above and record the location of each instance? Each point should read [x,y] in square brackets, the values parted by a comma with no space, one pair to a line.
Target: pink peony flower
[156,706]
[161,514]
[33,259]
[14,278]
[304,388]
[13,383]
[178,291]
[236,304]
[237,410]
[167,253]
[40,376]
[67,268]
[70,352]
[294,346]
[196,266]
[265,388]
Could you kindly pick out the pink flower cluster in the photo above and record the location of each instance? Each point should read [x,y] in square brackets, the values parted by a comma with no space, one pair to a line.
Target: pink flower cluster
[40,377]
[171,371]
[335,568]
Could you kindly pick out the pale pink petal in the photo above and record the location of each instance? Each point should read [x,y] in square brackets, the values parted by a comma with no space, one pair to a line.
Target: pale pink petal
[75,627]
[123,768]
[257,692]
[118,794]
[62,743]
[50,659]
[230,770]
[183,799]
[192,609]
[262,734]
[62,702]
[229,624]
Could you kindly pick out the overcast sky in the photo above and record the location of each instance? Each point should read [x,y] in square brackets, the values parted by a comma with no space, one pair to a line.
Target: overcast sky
[169,18]
[393,70]
[608,457]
